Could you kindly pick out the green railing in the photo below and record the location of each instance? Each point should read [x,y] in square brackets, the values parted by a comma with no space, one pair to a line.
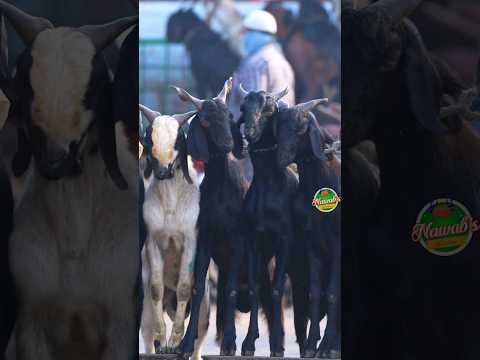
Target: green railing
[163,64]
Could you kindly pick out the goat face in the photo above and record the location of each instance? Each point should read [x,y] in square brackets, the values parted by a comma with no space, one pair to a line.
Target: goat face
[257,108]
[298,134]
[386,70]
[213,129]
[62,90]
[165,144]
[180,23]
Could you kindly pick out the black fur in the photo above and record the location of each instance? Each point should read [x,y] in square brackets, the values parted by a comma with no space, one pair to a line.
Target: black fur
[211,58]
[392,93]
[221,228]
[302,141]
[268,206]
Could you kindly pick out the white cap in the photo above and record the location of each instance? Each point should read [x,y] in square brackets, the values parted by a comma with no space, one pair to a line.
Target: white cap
[260,20]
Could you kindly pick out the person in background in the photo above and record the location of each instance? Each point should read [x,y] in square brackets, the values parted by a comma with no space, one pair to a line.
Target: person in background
[264,66]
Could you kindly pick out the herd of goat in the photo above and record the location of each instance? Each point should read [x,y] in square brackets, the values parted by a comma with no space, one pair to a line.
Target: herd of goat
[241,225]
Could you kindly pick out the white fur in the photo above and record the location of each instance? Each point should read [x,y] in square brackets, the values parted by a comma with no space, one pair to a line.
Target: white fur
[71,256]
[73,247]
[61,69]
[170,212]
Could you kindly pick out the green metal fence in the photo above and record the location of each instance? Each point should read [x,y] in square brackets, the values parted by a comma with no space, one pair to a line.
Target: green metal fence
[163,64]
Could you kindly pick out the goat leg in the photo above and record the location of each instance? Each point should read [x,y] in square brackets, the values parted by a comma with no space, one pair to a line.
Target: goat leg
[157,289]
[184,289]
[316,288]
[229,347]
[330,345]
[202,261]
[277,332]
[248,345]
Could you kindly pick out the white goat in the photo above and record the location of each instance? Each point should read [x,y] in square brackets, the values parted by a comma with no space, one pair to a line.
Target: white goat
[73,240]
[170,212]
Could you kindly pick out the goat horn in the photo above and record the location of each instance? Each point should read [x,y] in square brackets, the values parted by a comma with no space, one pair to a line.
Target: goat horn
[104,35]
[149,113]
[227,87]
[242,90]
[397,9]
[310,105]
[182,118]
[27,26]
[280,94]
[185,96]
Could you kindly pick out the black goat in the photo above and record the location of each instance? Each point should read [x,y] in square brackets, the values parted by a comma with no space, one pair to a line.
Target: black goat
[268,205]
[212,59]
[212,135]
[393,93]
[302,141]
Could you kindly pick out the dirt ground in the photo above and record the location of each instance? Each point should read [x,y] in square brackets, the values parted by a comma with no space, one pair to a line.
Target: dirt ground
[211,347]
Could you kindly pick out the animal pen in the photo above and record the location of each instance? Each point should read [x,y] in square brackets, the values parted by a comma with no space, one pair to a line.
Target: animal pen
[162,64]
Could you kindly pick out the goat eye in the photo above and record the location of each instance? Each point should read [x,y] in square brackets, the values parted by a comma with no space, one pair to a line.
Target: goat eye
[204,123]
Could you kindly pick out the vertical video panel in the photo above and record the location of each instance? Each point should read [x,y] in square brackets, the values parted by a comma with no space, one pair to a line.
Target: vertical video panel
[69,256]
[410,81]
[240,173]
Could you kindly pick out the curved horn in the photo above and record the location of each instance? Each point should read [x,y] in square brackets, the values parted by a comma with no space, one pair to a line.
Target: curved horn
[104,35]
[280,94]
[397,9]
[185,96]
[242,90]
[149,113]
[27,26]
[310,105]
[182,118]
[227,87]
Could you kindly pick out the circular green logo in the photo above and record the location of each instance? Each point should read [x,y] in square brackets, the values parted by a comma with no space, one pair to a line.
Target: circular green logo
[326,200]
[444,227]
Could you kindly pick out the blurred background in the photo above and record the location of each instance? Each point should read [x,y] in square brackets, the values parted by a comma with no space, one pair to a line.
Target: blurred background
[308,31]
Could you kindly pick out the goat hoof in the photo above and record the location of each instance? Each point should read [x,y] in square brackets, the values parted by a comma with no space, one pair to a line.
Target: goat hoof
[228,352]
[248,352]
[330,354]
[158,347]
[308,353]
[277,354]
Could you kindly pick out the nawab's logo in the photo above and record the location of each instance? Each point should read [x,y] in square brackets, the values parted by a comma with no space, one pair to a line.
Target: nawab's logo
[326,200]
[444,227]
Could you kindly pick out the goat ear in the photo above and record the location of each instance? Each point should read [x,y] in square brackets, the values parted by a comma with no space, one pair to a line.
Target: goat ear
[105,126]
[181,146]
[317,139]
[148,167]
[23,156]
[197,144]
[237,139]
[423,84]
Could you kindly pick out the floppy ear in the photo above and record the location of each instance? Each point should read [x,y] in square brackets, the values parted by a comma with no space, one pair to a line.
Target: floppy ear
[181,146]
[22,157]
[105,127]
[317,138]
[149,167]
[423,83]
[197,144]
[237,139]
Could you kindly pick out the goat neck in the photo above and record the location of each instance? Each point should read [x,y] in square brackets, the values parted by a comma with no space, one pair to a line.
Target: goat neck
[263,152]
